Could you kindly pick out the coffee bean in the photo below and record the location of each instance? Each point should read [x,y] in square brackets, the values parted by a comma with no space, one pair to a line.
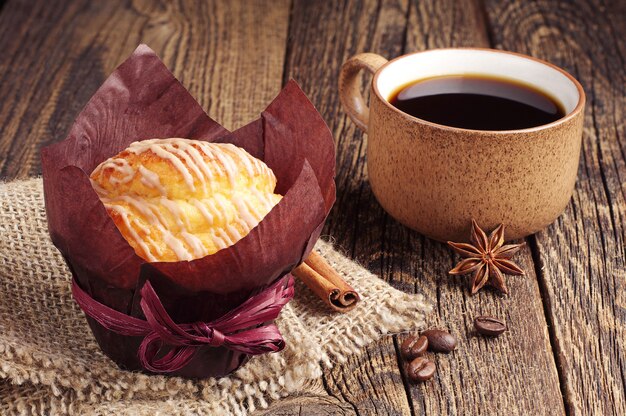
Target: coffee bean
[421,369]
[414,346]
[489,326]
[439,340]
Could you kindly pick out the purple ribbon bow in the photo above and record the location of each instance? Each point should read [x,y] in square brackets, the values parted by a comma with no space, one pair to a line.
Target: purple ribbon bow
[242,329]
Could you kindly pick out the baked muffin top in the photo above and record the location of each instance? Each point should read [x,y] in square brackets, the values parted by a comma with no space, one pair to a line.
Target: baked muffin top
[180,199]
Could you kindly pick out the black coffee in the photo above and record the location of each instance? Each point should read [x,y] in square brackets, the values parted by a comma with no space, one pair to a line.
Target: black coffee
[477,102]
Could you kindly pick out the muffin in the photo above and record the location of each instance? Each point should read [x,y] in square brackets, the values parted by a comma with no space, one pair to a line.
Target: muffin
[89,198]
[179,199]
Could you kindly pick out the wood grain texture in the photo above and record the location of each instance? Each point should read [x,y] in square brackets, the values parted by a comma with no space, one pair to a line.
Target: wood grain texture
[322,36]
[582,256]
[313,401]
[56,53]
[517,370]
[483,376]
[565,351]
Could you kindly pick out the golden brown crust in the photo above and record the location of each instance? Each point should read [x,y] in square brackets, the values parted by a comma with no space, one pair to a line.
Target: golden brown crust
[179,199]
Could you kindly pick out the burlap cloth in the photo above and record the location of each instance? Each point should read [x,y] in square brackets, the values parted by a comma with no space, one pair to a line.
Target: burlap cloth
[51,364]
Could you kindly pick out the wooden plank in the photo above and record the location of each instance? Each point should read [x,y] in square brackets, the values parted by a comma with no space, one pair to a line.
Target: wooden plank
[322,36]
[582,256]
[309,405]
[484,376]
[517,371]
[229,55]
[83,41]
[314,401]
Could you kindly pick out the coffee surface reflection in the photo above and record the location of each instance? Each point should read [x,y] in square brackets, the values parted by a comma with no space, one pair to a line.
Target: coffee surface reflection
[477,103]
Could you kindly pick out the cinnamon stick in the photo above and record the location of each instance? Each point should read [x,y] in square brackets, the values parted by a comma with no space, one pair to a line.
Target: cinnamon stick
[326,283]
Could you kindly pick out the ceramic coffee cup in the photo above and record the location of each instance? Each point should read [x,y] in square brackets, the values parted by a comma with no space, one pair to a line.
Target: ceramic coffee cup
[435,178]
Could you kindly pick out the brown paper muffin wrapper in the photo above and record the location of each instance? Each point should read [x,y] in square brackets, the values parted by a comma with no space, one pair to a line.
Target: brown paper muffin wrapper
[142,100]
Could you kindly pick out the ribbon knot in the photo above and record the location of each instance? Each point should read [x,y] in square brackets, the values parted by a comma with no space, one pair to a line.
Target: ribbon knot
[214,337]
[243,329]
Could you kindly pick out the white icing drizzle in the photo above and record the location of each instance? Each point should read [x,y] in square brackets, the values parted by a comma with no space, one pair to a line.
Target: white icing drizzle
[155,245]
[199,163]
[178,164]
[179,217]
[151,180]
[203,210]
[211,206]
[183,150]
[240,155]
[233,233]
[118,165]
[228,165]
[122,212]
[219,243]
[201,167]
[265,200]
[184,155]
[195,244]
[149,212]
[177,247]
[206,149]
[142,206]
[219,206]
[254,212]
[244,212]
[225,237]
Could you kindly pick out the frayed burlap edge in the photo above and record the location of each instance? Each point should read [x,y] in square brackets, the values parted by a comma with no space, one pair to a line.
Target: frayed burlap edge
[50,364]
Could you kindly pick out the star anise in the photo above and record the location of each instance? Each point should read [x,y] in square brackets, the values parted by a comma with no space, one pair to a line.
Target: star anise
[487,258]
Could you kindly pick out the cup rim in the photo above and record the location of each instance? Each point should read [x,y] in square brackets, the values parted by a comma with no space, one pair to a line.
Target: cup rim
[579,105]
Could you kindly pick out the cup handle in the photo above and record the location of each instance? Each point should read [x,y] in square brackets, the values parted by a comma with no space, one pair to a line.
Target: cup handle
[350,89]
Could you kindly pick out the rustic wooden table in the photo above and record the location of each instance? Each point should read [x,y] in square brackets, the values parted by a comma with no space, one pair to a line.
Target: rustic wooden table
[566,348]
